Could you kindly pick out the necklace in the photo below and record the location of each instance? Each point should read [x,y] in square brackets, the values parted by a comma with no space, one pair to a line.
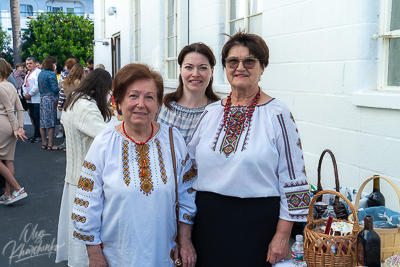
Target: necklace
[235,125]
[130,138]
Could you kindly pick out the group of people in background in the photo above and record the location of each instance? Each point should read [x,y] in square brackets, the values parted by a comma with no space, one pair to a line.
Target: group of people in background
[225,166]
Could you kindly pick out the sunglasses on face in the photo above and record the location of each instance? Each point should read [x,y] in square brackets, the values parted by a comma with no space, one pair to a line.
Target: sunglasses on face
[248,62]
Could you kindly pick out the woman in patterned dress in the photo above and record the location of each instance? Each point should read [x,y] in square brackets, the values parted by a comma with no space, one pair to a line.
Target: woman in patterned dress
[183,108]
[251,183]
[49,93]
[124,204]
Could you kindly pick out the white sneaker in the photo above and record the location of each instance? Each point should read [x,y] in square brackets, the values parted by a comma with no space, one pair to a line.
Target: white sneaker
[59,135]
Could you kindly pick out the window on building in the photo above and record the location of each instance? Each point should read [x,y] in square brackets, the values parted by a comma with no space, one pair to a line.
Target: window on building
[137,31]
[78,11]
[171,43]
[389,31]
[54,9]
[245,15]
[116,53]
[26,10]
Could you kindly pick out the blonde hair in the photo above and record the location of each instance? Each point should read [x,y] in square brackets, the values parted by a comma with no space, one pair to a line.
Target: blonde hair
[101,66]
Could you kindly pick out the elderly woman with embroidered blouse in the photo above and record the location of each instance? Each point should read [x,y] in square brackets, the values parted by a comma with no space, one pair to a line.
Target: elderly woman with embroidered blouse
[251,182]
[124,206]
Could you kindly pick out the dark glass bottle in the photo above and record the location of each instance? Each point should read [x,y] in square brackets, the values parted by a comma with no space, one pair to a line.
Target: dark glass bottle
[376,198]
[368,245]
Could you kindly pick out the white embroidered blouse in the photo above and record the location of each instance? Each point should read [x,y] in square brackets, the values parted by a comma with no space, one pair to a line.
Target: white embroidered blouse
[128,205]
[264,160]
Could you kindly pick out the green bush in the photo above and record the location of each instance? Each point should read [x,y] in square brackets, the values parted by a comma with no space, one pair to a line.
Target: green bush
[59,35]
[6,50]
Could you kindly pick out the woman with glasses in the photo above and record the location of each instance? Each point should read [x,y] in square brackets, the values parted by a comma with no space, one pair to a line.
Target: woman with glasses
[252,183]
[183,108]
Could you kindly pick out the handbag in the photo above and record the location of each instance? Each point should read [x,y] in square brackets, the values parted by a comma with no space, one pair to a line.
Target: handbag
[178,262]
[339,207]
[55,102]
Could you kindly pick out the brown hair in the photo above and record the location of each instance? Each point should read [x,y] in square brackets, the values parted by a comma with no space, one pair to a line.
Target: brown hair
[135,72]
[96,85]
[18,65]
[48,63]
[256,45]
[69,63]
[5,69]
[205,51]
[76,73]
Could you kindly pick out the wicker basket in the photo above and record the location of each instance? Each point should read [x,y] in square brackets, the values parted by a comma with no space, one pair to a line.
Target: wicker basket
[340,209]
[314,242]
[390,238]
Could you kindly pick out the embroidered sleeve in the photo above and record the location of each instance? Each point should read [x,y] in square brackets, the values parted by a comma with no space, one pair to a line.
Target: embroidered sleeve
[187,178]
[293,186]
[88,202]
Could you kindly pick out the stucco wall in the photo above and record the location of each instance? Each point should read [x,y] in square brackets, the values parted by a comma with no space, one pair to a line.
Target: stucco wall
[321,54]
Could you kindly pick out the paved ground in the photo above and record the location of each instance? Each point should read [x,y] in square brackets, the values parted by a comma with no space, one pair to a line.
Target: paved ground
[28,228]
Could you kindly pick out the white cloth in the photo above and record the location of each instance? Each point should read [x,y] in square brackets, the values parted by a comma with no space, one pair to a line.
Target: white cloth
[264,160]
[81,125]
[69,249]
[32,89]
[128,205]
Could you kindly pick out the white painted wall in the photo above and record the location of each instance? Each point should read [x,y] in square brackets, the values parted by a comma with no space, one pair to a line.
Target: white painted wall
[322,57]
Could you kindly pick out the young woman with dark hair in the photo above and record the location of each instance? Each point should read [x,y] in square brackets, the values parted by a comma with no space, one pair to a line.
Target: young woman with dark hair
[84,115]
[183,108]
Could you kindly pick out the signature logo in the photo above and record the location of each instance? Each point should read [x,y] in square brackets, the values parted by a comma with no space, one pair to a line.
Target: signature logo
[31,244]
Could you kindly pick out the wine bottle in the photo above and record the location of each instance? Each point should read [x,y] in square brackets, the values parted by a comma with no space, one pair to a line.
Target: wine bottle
[368,245]
[376,198]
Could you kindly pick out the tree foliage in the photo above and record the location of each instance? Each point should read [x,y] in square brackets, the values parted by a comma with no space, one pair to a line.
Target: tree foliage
[6,51]
[59,35]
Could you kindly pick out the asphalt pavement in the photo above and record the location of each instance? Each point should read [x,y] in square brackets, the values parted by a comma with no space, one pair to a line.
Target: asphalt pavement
[28,228]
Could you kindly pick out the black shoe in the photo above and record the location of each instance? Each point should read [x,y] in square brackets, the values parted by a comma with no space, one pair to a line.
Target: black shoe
[36,140]
[31,138]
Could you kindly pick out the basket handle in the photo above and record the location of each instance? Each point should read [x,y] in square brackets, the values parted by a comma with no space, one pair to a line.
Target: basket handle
[310,217]
[335,170]
[365,183]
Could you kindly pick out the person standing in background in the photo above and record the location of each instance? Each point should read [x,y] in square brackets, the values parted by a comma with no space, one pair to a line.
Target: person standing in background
[32,96]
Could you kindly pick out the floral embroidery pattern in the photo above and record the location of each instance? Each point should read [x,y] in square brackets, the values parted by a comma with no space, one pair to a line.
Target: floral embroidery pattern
[85,184]
[188,217]
[298,216]
[183,163]
[217,136]
[192,172]
[231,139]
[78,218]
[298,200]
[87,238]
[304,170]
[291,116]
[292,184]
[191,190]
[89,165]
[125,162]
[287,148]
[142,158]
[81,202]
[161,162]
[299,143]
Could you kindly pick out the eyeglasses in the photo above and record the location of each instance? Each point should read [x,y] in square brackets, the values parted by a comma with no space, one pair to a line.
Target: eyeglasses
[248,62]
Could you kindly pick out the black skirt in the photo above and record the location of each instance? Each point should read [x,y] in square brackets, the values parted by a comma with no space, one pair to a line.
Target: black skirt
[234,232]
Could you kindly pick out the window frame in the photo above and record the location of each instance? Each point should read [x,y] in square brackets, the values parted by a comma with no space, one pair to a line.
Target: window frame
[138,31]
[385,34]
[26,13]
[80,13]
[246,17]
[175,37]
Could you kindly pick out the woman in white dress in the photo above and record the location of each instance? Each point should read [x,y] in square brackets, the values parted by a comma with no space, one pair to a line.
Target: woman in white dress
[84,116]
[124,205]
[252,183]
